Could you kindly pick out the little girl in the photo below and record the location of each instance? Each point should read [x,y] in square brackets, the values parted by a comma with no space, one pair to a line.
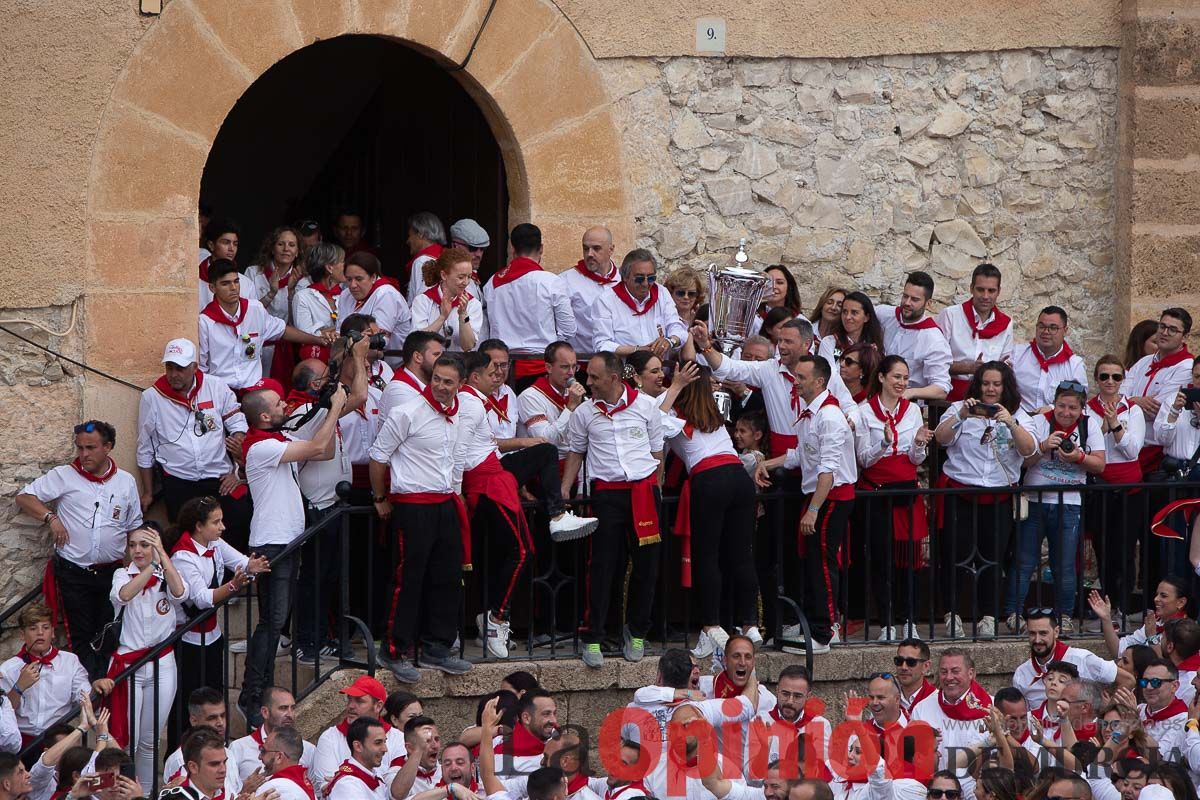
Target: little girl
[750,436]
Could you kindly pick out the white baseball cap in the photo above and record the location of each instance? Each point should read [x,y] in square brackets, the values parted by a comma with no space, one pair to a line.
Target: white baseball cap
[180,352]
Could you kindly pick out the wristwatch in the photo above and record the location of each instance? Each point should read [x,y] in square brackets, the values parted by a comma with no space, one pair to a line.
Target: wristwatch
[1117,429]
[379,498]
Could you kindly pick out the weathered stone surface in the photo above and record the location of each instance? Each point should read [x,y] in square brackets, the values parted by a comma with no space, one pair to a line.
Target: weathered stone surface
[842,176]
[950,121]
[731,195]
[960,235]
[690,132]
[756,161]
[680,237]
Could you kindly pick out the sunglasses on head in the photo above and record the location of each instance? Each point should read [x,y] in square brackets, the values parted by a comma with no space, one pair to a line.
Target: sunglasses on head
[949,794]
[87,427]
[1072,386]
[1153,683]
[1111,376]
[903,661]
[640,279]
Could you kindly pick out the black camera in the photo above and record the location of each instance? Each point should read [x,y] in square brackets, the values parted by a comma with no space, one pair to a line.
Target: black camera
[1067,446]
[376,341]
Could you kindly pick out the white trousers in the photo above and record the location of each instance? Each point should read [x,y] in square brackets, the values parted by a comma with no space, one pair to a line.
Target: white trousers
[142,730]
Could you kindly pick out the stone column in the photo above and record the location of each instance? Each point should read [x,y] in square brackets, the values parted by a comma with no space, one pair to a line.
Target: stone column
[1158,177]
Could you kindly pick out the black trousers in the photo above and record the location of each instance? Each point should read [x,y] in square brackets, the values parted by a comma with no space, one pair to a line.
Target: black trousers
[237,513]
[317,593]
[723,510]
[198,666]
[83,598]
[614,543]
[821,577]
[898,593]
[509,551]
[776,554]
[973,553]
[427,580]
[541,462]
[1114,519]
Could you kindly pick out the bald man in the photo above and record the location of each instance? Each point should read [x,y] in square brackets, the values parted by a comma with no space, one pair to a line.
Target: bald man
[594,273]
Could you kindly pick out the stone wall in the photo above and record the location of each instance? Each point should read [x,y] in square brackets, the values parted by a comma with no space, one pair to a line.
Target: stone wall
[855,171]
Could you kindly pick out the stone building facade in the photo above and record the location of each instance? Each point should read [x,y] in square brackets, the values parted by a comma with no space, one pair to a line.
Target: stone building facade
[1057,139]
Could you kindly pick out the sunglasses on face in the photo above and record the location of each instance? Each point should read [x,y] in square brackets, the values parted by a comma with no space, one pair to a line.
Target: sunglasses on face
[686,293]
[640,279]
[902,661]
[849,361]
[949,794]
[1111,376]
[1153,683]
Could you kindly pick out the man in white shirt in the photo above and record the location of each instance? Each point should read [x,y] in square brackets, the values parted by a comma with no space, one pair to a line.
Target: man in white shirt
[977,331]
[909,331]
[593,275]
[1163,715]
[281,757]
[271,461]
[635,314]
[620,431]
[545,408]
[537,720]
[190,424]
[360,776]
[1044,647]
[419,769]
[364,698]
[1181,646]
[956,710]
[96,505]
[672,685]
[421,351]
[278,711]
[418,444]
[1046,361]
[221,240]
[207,765]
[824,454]
[528,308]
[206,709]
[1153,380]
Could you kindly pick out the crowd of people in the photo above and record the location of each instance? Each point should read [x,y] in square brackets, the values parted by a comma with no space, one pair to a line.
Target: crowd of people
[449,404]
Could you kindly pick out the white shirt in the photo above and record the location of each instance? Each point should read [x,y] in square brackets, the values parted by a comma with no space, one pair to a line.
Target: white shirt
[10,734]
[278,506]
[1179,439]
[475,439]
[201,574]
[167,429]
[426,310]
[616,324]
[98,516]
[697,447]
[399,392]
[387,306]
[583,292]
[539,415]
[1051,471]
[351,787]
[416,276]
[1037,387]
[1091,668]
[658,702]
[419,444]
[311,311]
[530,312]
[43,779]
[149,614]
[992,464]
[223,346]
[256,277]
[924,349]
[1169,732]
[826,445]
[965,345]
[1162,386]
[245,757]
[1133,438]
[287,788]
[503,427]
[318,479]
[173,765]
[332,749]
[618,447]
[955,734]
[360,428]
[47,701]
[870,445]
[204,295]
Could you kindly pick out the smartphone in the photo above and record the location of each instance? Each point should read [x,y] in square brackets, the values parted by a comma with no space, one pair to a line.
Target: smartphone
[1191,396]
[988,410]
[105,780]
[129,770]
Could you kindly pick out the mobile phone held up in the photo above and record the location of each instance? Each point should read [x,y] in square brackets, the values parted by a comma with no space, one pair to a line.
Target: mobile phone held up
[989,410]
[1191,396]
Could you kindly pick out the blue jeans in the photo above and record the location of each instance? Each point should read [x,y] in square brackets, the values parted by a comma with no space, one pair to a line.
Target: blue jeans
[1059,524]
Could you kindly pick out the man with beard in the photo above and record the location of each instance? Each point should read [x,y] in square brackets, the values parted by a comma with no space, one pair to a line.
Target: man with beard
[1044,647]
[909,331]
[421,351]
[537,720]
[281,756]
[593,275]
[912,667]
[278,711]
[797,707]
[359,777]
[678,679]
[364,698]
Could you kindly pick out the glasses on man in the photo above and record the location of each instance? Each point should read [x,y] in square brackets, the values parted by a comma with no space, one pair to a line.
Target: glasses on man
[1153,683]
[1171,329]
[640,279]
[1111,376]
[949,794]
[1048,328]
[905,661]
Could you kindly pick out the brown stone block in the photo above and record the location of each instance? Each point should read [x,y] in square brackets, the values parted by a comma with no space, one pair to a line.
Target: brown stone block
[637,675]
[140,166]
[383,17]
[257,34]
[484,678]
[47,433]
[195,99]
[512,30]
[126,331]
[1167,52]
[133,255]
[571,675]
[577,170]
[562,238]
[1156,256]
[1166,196]
[446,26]
[1167,126]
[320,19]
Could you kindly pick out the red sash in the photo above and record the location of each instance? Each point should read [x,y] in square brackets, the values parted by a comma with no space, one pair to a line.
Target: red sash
[460,508]
[782,442]
[644,507]
[724,688]
[910,523]
[1061,357]
[971,706]
[298,775]
[605,280]
[944,481]
[517,268]
[214,312]
[625,297]
[353,770]
[924,324]
[521,744]
[683,512]
[162,387]
[118,699]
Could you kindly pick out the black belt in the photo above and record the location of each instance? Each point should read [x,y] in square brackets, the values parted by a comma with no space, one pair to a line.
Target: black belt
[95,569]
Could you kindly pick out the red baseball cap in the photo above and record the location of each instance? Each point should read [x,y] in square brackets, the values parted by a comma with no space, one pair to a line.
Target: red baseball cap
[366,686]
[266,383]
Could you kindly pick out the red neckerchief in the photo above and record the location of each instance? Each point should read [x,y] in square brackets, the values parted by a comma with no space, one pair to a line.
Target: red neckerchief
[973,705]
[574,785]
[187,543]
[517,268]
[269,273]
[474,785]
[109,471]
[498,405]
[922,324]
[859,396]
[434,293]
[45,659]
[350,768]
[330,292]
[605,280]
[1173,708]
[998,325]
[724,688]
[795,394]
[1095,405]
[257,735]
[1056,428]
[889,419]
[204,269]
[448,413]
[627,397]
[433,251]
[625,297]
[1024,737]
[829,400]
[381,281]
[1157,363]
[1061,357]
[926,689]
[424,774]
[1161,624]
[637,786]
[217,314]
[298,775]
[162,387]
[1190,664]
[406,377]
[296,398]
[255,435]
[1060,652]
[559,399]
[522,743]
[800,723]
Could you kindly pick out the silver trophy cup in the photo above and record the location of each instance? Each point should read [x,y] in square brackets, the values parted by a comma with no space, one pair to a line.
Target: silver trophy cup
[734,296]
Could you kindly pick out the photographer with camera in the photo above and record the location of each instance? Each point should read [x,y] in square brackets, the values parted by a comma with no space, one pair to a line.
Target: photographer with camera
[1071,446]
[985,438]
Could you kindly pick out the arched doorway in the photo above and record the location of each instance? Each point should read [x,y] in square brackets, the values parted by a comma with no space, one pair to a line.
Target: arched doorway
[357,122]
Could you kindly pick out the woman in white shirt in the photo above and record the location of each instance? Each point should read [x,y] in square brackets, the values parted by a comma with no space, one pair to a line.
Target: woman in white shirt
[372,293]
[448,308]
[891,441]
[272,279]
[146,596]
[1115,515]
[986,443]
[315,308]
[1177,428]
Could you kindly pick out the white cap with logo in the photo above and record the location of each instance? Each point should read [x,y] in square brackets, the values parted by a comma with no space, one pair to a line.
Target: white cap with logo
[180,352]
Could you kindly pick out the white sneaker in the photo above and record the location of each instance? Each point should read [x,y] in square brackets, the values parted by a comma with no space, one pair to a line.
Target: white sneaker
[567,526]
[954,626]
[239,646]
[836,637]
[792,631]
[284,647]
[910,630]
[986,628]
[494,635]
[705,646]
[1066,627]
[1015,623]
[752,633]
[888,634]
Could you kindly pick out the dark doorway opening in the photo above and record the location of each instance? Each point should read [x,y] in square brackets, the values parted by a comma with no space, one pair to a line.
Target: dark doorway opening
[364,123]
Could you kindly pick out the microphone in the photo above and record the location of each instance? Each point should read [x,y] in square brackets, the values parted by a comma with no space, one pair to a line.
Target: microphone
[571,382]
